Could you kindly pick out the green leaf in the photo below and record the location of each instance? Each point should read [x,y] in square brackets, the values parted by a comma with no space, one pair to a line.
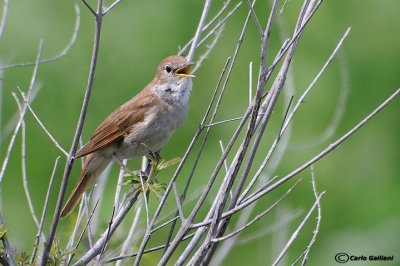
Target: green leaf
[165,164]
[3,231]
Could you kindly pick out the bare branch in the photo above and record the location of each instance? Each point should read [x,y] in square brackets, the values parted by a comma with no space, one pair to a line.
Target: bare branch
[23,166]
[326,151]
[7,246]
[144,252]
[199,30]
[3,18]
[297,231]
[204,253]
[97,247]
[108,235]
[219,25]
[283,221]
[316,229]
[255,219]
[339,110]
[147,234]
[89,7]
[253,14]
[178,202]
[186,46]
[74,145]
[119,184]
[116,2]
[22,113]
[132,230]
[46,203]
[199,233]
[164,224]
[234,210]
[291,115]
[13,121]
[283,6]
[209,49]
[63,53]
[42,125]
[87,226]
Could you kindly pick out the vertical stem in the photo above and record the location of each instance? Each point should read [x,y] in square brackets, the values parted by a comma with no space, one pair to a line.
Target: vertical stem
[70,159]
[199,30]
[7,246]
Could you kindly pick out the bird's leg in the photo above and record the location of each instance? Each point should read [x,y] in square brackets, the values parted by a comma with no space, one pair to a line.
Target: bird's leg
[121,164]
[152,162]
[157,155]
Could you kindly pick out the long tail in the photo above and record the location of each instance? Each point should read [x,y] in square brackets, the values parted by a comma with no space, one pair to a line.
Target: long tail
[93,167]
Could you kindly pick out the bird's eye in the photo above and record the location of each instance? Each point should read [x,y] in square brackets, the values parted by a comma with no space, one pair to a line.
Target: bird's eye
[168,68]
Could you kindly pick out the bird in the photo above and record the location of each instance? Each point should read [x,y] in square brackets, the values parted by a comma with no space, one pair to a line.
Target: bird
[140,126]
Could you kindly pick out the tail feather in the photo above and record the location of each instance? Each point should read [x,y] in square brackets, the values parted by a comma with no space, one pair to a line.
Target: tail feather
[76,195]
[93,167]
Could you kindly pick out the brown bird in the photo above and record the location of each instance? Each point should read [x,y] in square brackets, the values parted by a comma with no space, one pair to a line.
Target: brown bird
[144,123]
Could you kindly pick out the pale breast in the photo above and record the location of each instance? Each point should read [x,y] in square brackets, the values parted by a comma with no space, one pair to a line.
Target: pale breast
[154,132]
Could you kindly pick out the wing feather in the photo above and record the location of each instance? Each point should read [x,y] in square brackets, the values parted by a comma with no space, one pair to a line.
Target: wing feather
[119,123]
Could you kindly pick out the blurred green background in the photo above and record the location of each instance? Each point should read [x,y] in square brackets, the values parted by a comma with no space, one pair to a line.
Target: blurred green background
[360,211]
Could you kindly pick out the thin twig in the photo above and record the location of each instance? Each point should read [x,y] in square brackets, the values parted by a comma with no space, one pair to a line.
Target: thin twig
[297,231]
[219,25]
[3,18]
[186,46]
[317,225]
[74,145]
[97,193]
[199,233]
[291,115]
[83,206]
[44,211]
[12,122]
[42,125]
[199,31]
[250,82]
[90,8]
[63,53]
[145,198]
[196,136]
[164,224]
[254,15]
[132,230]
[119,184]
[178,202]
[234,210]
[22,113]
[323,153]
[111,7]
[144,252]
[96,249]
[283,6]
[319,217]
[7,246]
[23,167]
[204,253]
[340,108]
[87,225]
[209,49]
[78,221]
[110,223]
[269,229]
[221,145]
[258,216]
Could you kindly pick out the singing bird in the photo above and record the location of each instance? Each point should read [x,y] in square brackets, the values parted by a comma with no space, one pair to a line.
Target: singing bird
[145,122]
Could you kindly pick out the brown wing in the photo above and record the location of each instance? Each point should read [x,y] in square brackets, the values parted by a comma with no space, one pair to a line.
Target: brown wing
[119,123]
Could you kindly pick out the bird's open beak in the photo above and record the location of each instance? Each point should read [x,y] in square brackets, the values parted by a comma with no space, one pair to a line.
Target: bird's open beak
[184,72]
